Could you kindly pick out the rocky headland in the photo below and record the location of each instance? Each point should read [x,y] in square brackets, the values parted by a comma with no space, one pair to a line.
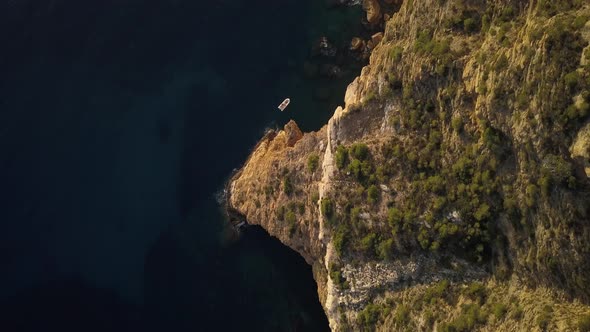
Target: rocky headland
[452,191]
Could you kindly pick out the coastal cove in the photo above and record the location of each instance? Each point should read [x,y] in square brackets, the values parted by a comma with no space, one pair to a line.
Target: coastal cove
[120,122]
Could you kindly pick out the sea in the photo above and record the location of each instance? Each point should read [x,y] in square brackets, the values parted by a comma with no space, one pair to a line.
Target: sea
[120,121]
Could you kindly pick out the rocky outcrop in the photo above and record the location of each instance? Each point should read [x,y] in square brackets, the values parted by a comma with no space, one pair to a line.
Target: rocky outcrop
[356,44]
[373,10]
[446,186]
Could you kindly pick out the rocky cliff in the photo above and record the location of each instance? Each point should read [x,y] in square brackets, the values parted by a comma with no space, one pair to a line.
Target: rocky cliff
[451,192]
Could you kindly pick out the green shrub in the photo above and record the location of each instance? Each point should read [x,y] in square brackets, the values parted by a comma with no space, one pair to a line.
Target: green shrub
[559,169]
[355,214]
[396,53]
[571,79]
[476,291]
[429,319]
[517,313]
[373,194]
[367,244]
[301,207]
[454,22]
[531,195]
[435,137]
[287,185]
[280,213]
[402,316]
[385,249]
[510,204]
[327,208]
[440,69]
[434,246]
[337,277]
[442,47]
[312,162]
[315,196]
[369,316]
[583,109]
[485,23]
[584,323]
[394,216]
[394,81]
[408,92]
[366,169]
[552,7]
[544,318]
[423,41]
[382,173]
[435,184]
[482,88]
[580,21]
[491,137]
[355,168]
[501,63]
[290,217]
[544,183]
[463,168]
[340,240]
[439,203]
[436,292]
[457,124]
[424,238]
[359,151]
[470,25]
[341,156]
[499,310]
[507,14]
[470,317]
[482,213]
[361,170]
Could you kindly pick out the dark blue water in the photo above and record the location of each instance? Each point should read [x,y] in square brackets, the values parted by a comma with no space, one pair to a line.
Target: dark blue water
[119,120]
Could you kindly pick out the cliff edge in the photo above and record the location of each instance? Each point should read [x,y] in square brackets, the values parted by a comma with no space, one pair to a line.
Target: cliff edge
[452,191]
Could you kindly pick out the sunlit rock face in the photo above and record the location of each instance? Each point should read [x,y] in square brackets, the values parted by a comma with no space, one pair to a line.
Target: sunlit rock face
[449,183]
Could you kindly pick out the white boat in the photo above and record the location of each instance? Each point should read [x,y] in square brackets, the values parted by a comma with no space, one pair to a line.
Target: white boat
[284,104]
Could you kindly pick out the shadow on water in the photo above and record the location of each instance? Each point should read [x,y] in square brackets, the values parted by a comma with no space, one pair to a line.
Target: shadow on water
[191,284]
[254,284]
[118,120]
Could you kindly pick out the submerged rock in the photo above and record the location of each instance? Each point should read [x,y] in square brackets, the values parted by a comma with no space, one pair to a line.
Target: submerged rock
[310,69]
[330,70]
[325,48]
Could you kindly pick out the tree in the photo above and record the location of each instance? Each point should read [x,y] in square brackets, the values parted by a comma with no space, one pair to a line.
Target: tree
[373,194]
[385,249]
[359,151]
[457,124]
[341,156]
[483,212]
[327,208]
[313,162]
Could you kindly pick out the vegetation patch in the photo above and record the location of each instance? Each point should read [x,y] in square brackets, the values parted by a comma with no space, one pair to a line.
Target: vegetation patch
[313,162]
